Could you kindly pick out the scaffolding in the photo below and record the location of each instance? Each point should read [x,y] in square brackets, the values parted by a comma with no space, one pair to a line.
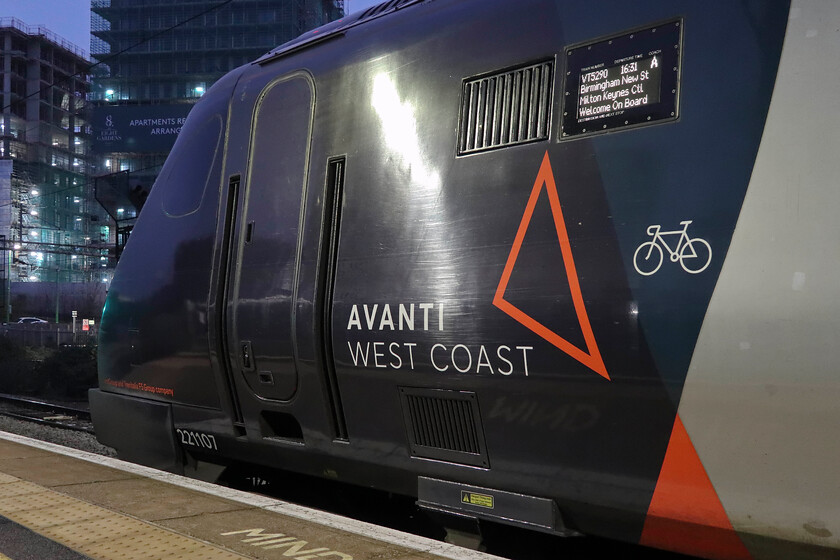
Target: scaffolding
[50,226]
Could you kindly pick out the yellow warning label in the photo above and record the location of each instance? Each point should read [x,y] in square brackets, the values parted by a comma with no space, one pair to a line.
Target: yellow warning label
[473,499]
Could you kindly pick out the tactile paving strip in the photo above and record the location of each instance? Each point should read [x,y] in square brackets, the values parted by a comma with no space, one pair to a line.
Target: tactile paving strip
[19,488]
[95,531]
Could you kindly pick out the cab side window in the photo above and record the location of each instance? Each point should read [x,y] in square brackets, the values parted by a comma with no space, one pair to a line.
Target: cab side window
[187,169]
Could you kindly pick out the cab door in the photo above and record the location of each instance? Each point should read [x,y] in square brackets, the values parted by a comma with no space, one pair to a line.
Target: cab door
[263,283]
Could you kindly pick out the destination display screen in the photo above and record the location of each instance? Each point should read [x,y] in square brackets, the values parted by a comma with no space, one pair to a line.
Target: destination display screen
[628,80]
[628,85]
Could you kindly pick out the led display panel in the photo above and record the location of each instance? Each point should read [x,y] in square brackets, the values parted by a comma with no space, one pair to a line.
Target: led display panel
[622,81]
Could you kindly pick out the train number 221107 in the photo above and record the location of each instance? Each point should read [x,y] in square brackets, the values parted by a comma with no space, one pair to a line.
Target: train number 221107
[196,439]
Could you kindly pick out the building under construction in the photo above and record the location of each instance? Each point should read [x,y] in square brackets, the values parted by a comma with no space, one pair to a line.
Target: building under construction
[51,229]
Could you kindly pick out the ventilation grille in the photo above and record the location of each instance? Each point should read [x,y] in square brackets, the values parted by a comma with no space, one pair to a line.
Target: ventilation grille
[506,109]
[444,425]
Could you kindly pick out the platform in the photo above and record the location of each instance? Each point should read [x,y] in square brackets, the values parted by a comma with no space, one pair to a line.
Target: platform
[61,503]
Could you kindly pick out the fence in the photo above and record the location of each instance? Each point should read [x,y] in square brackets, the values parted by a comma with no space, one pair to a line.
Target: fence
[48,335]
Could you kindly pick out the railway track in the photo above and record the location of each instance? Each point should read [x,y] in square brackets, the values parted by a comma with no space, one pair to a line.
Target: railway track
[47,413]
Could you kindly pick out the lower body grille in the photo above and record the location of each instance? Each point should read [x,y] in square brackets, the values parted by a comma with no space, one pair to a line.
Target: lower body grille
[444,425]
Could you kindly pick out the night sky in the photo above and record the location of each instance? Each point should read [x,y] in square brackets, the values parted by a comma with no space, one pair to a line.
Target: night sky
[70,19]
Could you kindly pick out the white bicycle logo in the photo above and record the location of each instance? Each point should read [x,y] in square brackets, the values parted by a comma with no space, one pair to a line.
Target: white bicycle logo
[694,254]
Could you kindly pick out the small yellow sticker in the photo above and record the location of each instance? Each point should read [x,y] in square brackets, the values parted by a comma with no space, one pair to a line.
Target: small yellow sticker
[473,499]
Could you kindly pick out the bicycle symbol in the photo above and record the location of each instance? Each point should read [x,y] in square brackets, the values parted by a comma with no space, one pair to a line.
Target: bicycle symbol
[694,254]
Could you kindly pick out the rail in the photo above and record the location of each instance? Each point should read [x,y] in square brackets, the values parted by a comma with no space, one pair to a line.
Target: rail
[48,413]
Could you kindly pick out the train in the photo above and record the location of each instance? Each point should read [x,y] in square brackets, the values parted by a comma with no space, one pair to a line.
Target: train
[558,264]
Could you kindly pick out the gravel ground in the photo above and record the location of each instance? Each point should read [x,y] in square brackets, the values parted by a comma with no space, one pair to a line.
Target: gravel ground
[67,438]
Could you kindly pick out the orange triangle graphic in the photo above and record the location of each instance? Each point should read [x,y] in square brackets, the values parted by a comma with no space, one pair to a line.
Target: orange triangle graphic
[591,357]
[685,513]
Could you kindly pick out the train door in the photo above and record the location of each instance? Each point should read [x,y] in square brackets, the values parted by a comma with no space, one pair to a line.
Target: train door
[263,276]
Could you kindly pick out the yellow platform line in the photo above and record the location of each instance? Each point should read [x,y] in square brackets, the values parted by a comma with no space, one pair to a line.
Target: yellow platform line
[97,532]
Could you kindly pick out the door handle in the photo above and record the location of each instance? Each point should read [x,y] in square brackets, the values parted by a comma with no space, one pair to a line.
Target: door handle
[247,356]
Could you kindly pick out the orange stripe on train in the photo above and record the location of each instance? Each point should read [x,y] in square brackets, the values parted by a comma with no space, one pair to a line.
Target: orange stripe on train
[685,514]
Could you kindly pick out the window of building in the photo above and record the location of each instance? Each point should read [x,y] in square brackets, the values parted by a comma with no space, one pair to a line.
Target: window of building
[266,16]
